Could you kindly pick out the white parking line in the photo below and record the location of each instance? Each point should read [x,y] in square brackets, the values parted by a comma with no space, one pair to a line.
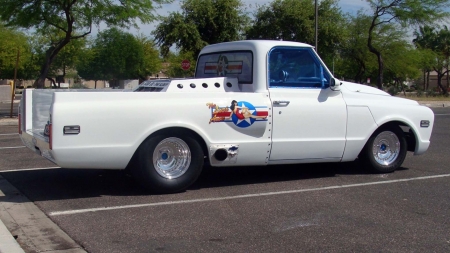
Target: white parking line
[12,147]
[8,134]
[56,213]
[18,170]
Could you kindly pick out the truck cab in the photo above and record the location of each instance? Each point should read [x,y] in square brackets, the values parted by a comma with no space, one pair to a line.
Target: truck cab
[307,108]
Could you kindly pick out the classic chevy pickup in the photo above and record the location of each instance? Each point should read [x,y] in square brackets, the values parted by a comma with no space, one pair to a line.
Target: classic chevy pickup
[250,103]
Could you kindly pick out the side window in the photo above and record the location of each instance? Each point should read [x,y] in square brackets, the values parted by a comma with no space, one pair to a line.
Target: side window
[297,68]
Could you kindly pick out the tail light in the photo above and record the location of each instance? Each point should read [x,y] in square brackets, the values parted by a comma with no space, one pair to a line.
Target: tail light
[23,112]
[20,122]
[50,134]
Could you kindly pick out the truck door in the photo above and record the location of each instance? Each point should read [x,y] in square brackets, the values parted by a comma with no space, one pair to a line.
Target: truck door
[309,119]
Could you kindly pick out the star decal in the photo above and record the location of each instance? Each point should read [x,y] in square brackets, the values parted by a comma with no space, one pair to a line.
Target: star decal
[248,120]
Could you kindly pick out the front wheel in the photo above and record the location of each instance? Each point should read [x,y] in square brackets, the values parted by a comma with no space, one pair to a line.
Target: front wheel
[385,150]
[168,162]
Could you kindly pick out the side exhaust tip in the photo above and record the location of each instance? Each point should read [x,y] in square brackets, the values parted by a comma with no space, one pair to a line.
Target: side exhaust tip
[221,154]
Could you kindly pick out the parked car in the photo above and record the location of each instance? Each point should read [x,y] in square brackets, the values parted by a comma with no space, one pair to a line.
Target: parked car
[250,103]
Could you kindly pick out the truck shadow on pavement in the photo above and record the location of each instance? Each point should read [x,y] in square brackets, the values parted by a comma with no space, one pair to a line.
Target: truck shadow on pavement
[57,184]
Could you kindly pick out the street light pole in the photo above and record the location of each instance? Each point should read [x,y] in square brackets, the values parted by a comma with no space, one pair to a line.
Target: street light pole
[317,24]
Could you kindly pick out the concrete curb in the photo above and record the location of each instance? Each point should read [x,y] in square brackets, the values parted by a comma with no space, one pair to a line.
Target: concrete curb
[9,121]
[435,103]
[7,241]
[34,231]
[9,101]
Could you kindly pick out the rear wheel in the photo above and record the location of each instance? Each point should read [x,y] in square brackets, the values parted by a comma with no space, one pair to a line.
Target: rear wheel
[385,150]
[168,162]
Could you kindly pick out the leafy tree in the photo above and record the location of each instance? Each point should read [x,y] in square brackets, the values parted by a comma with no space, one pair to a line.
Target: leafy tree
[66,59]
[73,18]
[439,43]
[116,55]
[151,63]
[11,42]
[294,20]
[201,22]
[90,67]
[402,62]
[424,40]
[355,59]
[174,64]
[402,12]
[444,48]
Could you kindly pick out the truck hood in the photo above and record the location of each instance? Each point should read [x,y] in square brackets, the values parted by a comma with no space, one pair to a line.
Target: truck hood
[354,87]
[358,94]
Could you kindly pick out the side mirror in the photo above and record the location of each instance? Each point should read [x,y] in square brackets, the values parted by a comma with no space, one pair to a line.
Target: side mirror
[335,84]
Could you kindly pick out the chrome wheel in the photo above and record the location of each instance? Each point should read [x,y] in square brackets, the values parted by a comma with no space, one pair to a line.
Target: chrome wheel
[386,148]
[171,158]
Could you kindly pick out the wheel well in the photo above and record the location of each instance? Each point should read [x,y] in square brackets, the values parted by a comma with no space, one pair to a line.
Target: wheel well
[407,131]
[186,131]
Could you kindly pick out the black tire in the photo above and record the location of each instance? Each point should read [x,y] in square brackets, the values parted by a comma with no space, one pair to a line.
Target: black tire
[147,175]
[385,150]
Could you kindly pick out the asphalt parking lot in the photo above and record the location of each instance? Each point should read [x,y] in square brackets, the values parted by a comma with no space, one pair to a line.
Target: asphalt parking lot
[298,208]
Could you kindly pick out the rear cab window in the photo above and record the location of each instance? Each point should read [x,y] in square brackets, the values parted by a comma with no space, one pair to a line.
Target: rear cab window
[234,64]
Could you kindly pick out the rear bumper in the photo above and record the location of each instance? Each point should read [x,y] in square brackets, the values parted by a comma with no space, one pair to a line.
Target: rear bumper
[37,142]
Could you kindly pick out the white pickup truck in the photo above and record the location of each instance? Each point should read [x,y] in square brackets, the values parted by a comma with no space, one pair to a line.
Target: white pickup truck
[250,103]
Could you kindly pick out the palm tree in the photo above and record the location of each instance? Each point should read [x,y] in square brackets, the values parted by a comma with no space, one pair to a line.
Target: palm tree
[424,40]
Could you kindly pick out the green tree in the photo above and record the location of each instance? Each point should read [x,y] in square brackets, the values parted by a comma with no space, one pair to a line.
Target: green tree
[174,60]
[294,20]
[63,62]
[355,60]
[120,55]
[11,42]
[444,48]
[67,59]
[115,55]
[200,23]
[151,63]
[404,13]
[90,67]
[402,62]
[74,19]
[424,41]
[439,43]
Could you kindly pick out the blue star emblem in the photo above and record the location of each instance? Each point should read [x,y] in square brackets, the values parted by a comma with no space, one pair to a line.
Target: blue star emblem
[243,123]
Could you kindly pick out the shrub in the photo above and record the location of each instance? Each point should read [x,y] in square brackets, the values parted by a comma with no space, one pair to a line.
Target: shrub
[79,86]
[419,93]
[392,90]
[431,93]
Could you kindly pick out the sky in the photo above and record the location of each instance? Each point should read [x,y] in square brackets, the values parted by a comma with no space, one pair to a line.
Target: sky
[347,6]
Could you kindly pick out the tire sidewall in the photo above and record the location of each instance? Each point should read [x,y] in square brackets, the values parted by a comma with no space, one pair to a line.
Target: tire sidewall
[369,159]
[146,173]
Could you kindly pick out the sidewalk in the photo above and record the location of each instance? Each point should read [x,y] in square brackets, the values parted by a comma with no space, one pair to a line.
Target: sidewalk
[7,121]
[435,103]
[30,226]
[8,243]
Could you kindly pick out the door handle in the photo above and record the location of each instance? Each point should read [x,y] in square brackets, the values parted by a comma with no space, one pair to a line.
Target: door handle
[283,102]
